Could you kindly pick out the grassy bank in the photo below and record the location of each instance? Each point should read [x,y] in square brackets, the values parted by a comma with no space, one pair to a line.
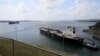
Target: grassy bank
[21,49]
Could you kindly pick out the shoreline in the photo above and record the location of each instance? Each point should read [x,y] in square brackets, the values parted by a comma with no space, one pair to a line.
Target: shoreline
[96,37]
[93,33]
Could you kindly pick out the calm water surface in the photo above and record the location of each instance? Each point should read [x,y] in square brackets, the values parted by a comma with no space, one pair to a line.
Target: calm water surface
[28,32]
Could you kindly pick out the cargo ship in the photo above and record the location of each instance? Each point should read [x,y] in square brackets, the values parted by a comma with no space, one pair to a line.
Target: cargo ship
[68,35]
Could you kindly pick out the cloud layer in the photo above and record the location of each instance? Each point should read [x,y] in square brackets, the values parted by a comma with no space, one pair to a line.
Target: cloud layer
[49,9]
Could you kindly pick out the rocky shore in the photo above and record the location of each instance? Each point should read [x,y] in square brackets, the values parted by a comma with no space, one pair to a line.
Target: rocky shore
[94,30]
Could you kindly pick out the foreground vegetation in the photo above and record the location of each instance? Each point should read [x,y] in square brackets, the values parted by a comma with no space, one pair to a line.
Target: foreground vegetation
[95,29]
[21,49]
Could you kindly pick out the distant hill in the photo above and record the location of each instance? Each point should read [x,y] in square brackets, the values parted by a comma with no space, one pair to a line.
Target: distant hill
[90,20]
[4,21]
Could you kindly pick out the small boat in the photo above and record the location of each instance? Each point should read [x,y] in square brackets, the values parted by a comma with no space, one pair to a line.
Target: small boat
[90,44]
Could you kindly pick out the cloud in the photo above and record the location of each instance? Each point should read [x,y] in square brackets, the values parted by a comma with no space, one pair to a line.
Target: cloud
[77,1]
[80,10]
[47,4]
[12,12]
[84,10]
[48,10]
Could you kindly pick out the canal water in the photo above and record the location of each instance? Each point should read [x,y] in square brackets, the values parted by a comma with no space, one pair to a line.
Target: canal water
[28,32]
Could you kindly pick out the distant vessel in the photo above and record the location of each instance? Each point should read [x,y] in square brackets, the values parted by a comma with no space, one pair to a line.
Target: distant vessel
[13,22]
[69,35]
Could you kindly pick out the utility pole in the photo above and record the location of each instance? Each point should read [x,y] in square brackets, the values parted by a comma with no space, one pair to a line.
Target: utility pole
[13,47]
[13,42]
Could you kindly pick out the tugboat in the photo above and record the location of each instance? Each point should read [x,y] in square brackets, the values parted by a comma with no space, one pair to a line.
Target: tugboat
[90,44]
[69,35]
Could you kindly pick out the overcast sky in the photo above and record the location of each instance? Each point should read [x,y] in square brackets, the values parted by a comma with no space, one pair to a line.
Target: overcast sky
[49,9]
